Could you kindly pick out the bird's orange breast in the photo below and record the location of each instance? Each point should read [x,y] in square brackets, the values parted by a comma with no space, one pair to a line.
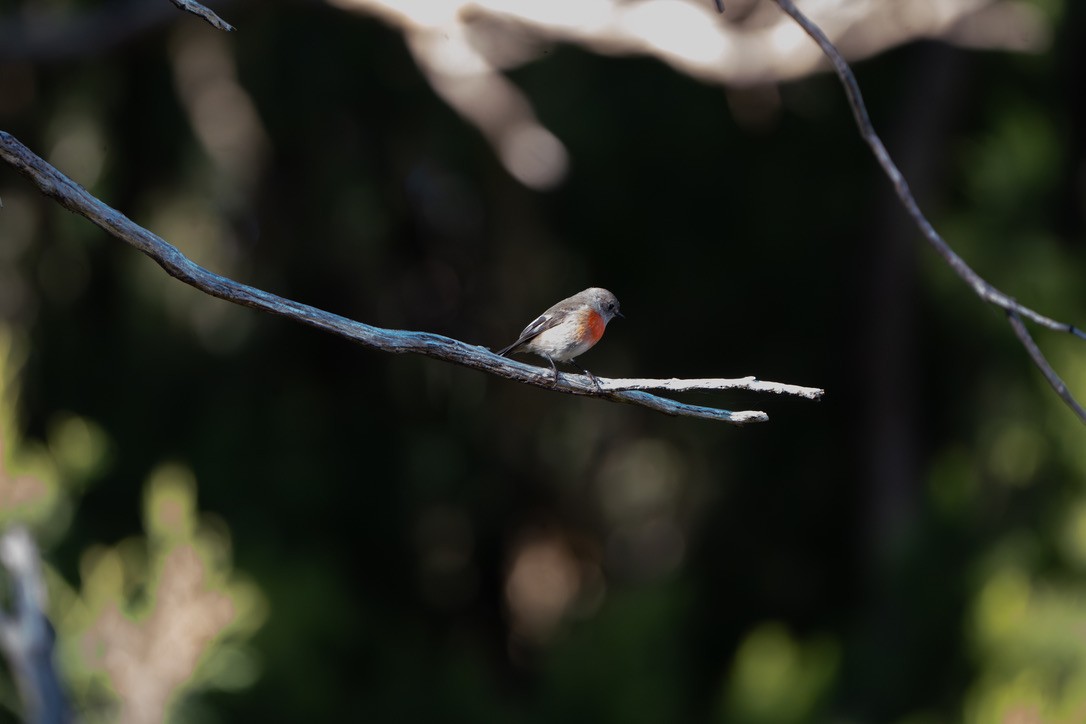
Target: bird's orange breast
[593,327]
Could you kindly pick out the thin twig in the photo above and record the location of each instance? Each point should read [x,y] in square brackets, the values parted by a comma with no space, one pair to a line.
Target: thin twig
[713,383]
[1058,385]
[77,199]
[191,6]
[94,30]
[980,286]
[26,637]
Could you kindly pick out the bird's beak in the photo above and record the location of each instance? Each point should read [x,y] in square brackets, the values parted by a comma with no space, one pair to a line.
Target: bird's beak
[619,314]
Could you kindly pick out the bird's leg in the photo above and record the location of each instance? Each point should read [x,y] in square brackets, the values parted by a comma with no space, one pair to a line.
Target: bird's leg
[590,375]
[555,369]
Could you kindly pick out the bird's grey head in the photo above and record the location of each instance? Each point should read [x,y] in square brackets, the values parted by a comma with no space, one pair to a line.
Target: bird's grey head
[603,301]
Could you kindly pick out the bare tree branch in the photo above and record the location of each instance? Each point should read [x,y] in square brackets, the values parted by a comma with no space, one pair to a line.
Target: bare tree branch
[77,199]
[25,634]
[191,6]
[979,285]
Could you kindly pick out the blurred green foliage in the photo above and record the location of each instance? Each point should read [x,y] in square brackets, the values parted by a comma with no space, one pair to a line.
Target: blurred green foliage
[386,538]
[156,618]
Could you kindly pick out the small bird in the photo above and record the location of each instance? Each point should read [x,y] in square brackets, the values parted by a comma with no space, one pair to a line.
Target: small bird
[568,329]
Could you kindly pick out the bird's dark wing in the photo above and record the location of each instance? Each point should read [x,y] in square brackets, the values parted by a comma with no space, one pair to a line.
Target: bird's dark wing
[541,324]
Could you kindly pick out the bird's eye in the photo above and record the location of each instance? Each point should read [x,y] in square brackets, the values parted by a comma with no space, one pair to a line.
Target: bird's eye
[611,306]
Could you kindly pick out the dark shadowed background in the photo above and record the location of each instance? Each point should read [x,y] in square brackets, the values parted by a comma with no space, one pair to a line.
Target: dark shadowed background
[391,538]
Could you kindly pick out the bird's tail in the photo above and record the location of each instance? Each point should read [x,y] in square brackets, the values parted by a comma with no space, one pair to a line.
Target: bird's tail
[505,352]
